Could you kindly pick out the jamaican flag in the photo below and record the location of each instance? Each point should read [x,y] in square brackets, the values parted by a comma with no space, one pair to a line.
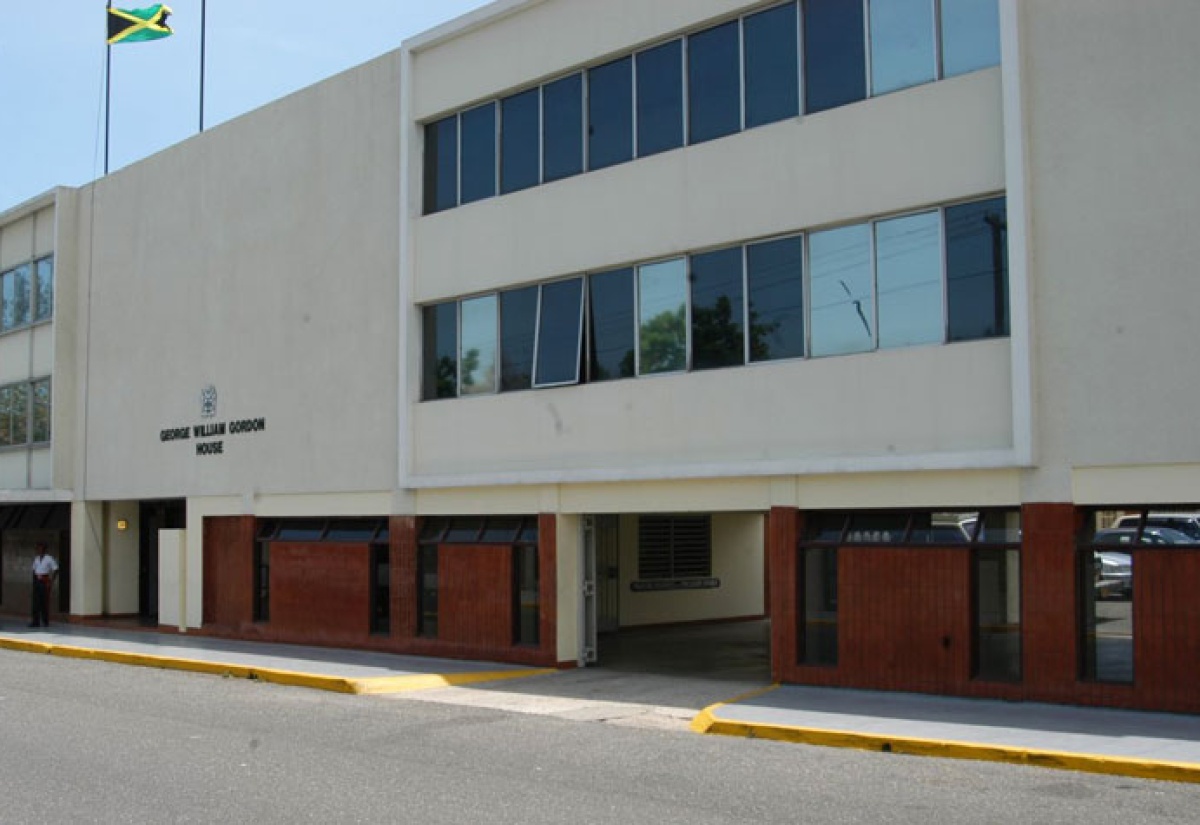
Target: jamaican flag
[135,25]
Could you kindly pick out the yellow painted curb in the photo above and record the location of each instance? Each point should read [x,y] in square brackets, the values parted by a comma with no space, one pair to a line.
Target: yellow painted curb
[705,719]
[335,684]
[1088,763]
[425,681]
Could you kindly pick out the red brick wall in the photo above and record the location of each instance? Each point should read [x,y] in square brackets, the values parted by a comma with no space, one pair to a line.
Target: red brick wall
[320,593]
[1166,626]
[475,607]
[1049,606]
[228,597]
[783,532]
[548,588]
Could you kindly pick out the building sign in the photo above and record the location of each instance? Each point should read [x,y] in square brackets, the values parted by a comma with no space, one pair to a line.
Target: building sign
[210,436]
[655,585]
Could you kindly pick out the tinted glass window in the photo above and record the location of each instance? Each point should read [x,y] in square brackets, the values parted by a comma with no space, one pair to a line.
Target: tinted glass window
[970,35]
[908,273]
[660,98]
[562,128]
[477,355]
[902,44]
[834,55]
[479,153]
[714,83]
[772,65]
[612,325]
[774,274]
[718,334]
[610,113]
[843,310]
[441,165]
[518,323]
[41,410]
[440,349]
[977,270]
[16,297]
[662,317]
[560,335]
[45,289]
[520,148]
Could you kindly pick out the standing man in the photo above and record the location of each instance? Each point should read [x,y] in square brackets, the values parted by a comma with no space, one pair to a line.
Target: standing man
[45,571]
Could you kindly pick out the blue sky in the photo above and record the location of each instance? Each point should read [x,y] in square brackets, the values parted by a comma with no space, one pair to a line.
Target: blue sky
[52,74]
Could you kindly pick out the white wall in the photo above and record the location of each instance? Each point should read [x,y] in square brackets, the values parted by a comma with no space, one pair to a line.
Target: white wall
[175,591]
[122,559]
[260,258]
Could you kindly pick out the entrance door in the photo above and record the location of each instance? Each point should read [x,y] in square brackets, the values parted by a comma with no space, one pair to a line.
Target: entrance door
[608,573]
[154,516]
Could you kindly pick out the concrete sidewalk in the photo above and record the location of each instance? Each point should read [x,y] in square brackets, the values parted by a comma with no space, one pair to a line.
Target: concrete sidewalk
[1097,740]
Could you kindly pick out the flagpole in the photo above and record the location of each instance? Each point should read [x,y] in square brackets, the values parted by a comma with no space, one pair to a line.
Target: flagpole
[107,84]
[203,13]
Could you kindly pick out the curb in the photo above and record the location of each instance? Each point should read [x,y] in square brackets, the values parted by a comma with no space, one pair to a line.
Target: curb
[707,722]
[371,686]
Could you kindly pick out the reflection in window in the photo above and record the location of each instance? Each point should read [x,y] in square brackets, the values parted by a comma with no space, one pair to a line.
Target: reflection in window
[528,598]
[1106,601]
[772,66]
[997,616]
[775,285]
[902,44]
[560,333]
[477,353]
[843,310]
[970,35]
[660,98]
[45,289]
[714,83]
[612,325]
[41,410]
[16,297]
[834,55]
[441,164]
[518,326]
[562,128]
[478,153]
[818,635]
[427,591]
[381,589]
[908,255]
[977,270]
[718,338]
[662,317]
[610,113]
[440,348]
[520,148]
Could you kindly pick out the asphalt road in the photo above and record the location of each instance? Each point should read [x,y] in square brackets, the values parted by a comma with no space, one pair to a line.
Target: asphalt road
[94,742]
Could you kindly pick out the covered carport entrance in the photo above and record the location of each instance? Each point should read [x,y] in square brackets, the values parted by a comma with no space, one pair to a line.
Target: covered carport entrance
[676,594]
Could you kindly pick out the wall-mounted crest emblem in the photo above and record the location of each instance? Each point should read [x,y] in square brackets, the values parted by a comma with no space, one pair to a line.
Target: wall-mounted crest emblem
[208,402]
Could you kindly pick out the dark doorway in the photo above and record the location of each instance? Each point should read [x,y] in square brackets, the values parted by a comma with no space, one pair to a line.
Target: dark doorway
[167,514]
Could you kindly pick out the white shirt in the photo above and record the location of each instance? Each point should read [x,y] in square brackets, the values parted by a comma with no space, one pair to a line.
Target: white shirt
[44,565]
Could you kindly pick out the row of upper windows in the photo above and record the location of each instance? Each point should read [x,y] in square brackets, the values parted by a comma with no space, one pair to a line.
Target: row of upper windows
[27,294]
[737,75]
[925,278]
[25,413]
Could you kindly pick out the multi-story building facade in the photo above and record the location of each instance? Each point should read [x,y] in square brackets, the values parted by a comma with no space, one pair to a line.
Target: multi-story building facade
[568,317]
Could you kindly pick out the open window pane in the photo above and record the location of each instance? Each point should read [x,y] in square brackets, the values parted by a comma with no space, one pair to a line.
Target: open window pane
[518,326]
[835,62]
[477,354]
[562,128]
[843,308]
[440,351]
[903,52]
[774,275]
[441,164]
[772,65]
[718,333]
[520,147]
[660,98]
[614,333]
[479,153]
[610,113]
[970,35]
[662,317]
[560,333]
[908,260]
[714,83]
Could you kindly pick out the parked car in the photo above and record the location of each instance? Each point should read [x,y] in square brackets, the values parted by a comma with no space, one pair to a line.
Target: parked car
[1114,575]
[1150,535]
[1186,523]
